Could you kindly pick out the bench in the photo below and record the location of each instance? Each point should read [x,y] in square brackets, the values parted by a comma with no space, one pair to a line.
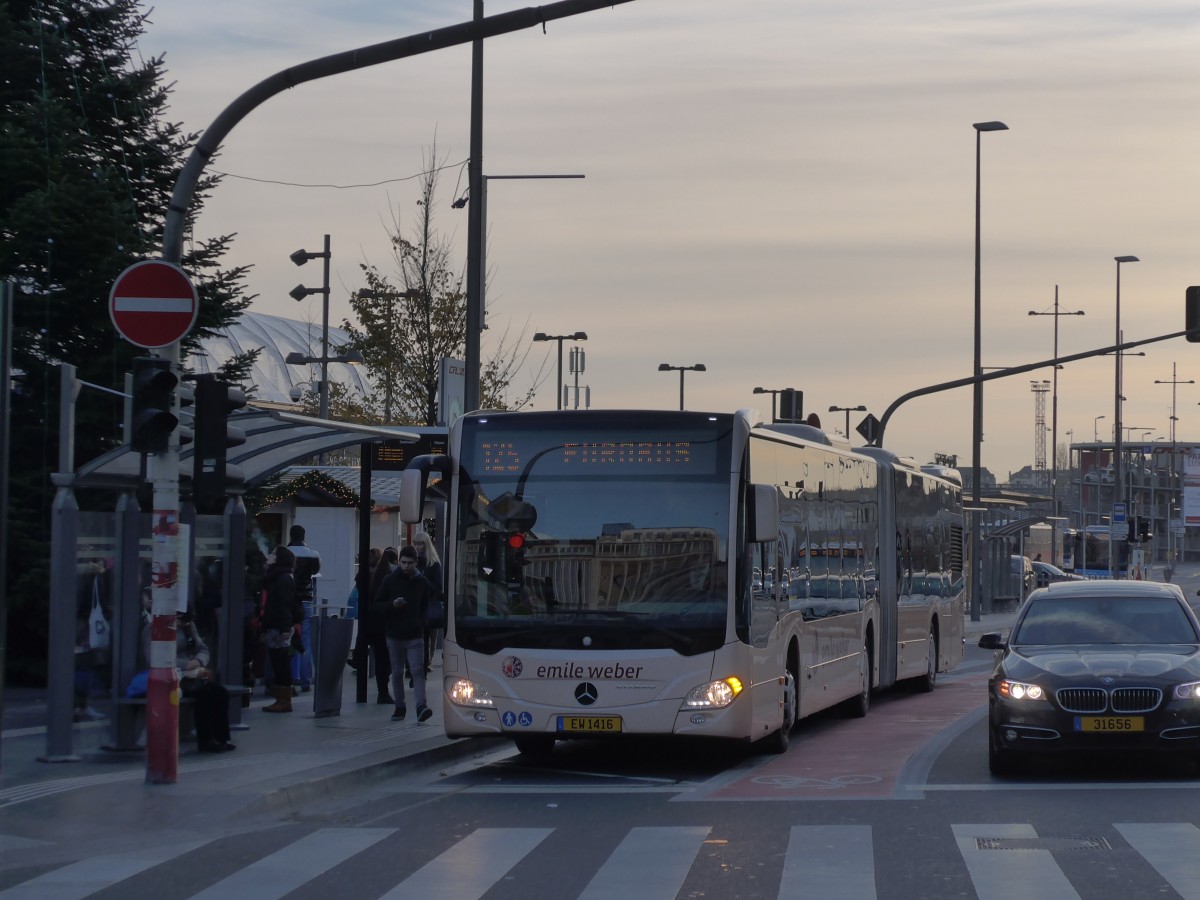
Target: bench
[131,712]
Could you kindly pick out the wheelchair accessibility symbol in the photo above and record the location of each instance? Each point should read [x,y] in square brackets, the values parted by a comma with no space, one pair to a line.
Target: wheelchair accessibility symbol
[525,719]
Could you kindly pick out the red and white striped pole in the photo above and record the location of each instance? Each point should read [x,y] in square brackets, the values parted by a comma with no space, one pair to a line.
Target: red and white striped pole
[162,690]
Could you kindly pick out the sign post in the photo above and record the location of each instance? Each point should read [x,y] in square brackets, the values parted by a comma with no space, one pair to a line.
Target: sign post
[153,304]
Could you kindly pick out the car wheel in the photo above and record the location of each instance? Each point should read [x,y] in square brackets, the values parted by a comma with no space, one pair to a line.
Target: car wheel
[535,747]
[927,682]
[1002,762]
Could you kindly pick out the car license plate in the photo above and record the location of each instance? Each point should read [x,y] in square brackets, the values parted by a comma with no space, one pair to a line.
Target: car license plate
[589,724]
[1109,724]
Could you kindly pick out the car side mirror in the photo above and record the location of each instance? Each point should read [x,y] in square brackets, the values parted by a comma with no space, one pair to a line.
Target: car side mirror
[992,641]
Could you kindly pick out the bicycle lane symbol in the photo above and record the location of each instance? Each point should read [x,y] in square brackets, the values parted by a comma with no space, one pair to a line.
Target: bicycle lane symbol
[799,782]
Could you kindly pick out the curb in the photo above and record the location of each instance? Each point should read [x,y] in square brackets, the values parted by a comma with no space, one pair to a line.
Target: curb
[374,768]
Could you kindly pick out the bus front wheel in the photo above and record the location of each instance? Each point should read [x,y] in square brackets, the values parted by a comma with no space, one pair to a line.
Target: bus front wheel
[778,742]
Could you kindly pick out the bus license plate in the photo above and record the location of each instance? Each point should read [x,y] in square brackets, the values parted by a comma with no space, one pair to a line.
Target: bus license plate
[1109,724]
[589,724]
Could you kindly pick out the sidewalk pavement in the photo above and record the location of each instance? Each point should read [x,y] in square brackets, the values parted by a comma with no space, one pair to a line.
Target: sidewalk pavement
[281,759]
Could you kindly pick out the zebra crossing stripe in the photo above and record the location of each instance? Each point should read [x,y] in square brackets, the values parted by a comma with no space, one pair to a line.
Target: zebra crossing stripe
[830,862]
[468,869]
[649,863]
[1004,874]
[295,865]
[88,876]
[1173,848]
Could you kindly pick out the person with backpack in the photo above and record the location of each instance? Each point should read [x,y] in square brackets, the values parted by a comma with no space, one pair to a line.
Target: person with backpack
[282,612]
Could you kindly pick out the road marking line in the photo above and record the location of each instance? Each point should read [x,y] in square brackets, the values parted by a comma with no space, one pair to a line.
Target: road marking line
[295,865]
[1004,874]
[88,876]
[469,869]
[1173,848]
[830,862]
[649,863]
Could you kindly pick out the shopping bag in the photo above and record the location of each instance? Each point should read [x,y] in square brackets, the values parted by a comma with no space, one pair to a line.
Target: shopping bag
[99,636]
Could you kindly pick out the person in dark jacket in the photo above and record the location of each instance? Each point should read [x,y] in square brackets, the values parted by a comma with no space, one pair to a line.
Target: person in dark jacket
[429,565]
[373,626]
[279,623]
[401,605]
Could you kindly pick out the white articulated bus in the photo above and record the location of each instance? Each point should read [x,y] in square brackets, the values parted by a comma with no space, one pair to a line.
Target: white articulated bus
[682,573]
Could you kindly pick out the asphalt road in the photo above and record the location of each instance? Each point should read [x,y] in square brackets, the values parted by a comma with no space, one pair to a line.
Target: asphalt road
[898,805]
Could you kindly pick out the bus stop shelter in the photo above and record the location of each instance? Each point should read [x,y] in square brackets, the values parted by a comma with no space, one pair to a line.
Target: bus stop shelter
[104,556]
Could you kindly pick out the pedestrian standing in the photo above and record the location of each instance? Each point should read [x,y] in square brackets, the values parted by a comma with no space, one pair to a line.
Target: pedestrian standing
[279,620]
[429,565]
[376,639]
[308,565]
[401,605]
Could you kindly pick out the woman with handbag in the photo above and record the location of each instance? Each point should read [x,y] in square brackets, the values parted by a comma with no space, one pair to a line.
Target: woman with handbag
[430,566]
[279,624]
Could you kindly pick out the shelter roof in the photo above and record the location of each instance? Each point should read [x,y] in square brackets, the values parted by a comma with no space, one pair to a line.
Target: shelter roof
[274,441]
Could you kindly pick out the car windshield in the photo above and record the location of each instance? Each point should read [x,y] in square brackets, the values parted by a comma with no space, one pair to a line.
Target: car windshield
[1105,620]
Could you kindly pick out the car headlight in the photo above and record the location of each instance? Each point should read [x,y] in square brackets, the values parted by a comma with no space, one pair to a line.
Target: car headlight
[464,693]
[1189,691]
[1019,690]
[714,695]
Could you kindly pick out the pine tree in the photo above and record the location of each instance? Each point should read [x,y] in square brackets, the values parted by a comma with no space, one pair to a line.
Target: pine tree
[88,160]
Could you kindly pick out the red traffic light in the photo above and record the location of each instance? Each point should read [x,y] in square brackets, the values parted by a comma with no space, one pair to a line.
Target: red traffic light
[516,541]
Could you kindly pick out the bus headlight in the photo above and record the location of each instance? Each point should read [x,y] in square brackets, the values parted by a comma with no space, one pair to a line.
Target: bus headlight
[464,693]
[714,695]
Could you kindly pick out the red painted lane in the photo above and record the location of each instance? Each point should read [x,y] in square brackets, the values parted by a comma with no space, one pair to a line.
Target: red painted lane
[859,758]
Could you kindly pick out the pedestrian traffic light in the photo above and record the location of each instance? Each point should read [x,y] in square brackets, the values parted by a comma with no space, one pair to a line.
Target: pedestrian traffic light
[1192,313]
[215,400]
[153,417]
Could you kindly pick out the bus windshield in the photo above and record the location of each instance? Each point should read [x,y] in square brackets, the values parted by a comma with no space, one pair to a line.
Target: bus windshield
[622,541]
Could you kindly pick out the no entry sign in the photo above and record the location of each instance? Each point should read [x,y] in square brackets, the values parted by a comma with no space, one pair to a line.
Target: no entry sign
[153,303]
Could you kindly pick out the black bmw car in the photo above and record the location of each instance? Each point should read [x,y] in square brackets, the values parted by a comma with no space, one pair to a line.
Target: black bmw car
[1094,666]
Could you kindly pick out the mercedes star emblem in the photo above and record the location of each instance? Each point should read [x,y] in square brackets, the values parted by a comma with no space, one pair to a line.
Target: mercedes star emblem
[585,693]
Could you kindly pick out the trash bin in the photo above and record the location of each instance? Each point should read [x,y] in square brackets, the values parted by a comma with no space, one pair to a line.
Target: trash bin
[331,646]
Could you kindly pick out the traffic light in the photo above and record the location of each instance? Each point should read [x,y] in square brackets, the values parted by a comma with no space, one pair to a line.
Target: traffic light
[215,400]
[1192,313]
[514,559]
[153,418]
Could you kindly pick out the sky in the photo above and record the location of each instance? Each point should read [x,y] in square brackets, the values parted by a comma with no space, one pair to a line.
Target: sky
[782,190]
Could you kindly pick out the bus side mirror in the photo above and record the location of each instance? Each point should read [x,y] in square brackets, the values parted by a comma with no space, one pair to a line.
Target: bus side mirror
[762,518]
[412,484]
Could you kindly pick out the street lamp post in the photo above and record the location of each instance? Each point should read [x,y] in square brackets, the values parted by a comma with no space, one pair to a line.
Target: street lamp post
[774,392]
[977,404]
[667,367]
[477,229]
[1096,428]
[847,410]
[1054,422]
[1119,491]
[577,336]
[1174,382]
[298,293]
